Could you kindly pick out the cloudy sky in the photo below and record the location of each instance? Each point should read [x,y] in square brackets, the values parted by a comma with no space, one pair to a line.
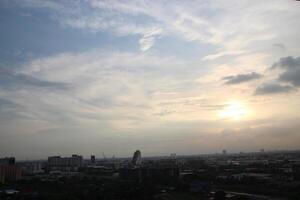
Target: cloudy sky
[185,77]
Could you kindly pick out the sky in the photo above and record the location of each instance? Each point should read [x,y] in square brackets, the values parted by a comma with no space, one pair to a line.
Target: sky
[112,76]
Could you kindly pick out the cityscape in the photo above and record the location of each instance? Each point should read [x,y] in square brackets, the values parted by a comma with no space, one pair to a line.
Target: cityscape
[149,100]
[254,175]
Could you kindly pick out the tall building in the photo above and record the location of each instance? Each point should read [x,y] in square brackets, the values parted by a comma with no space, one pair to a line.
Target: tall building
[137,158]
[224,152]
[2,174]
[12,172]
[65,163]
[9,171]
[93,159]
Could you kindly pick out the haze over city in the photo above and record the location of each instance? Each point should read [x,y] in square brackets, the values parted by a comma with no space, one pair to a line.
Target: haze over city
[184,77]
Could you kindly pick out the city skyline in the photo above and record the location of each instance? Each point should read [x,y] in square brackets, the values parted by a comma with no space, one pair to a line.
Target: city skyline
[192,77]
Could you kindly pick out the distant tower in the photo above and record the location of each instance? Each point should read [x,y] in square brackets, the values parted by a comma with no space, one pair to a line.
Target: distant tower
[173,155]
[224,152]
[137,158]
[93,159]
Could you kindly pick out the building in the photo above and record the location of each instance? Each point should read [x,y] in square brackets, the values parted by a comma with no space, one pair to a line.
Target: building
[93,159]
[7,161]
[137,158]
[32,167]
[9,171]
[150,174]
[159,171]
[224,152]
[72,163]
[2,174]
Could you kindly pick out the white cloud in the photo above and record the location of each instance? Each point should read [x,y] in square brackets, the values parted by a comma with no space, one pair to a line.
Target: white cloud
[148,38]
[232,27]
[110,85]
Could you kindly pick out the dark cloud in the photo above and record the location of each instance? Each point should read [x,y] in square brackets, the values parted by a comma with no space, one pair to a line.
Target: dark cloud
[273,88]
[287,62]
[290,75]
[240,78]
[291,67]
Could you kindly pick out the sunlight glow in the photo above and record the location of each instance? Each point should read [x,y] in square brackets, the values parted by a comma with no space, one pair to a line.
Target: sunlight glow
[234,111]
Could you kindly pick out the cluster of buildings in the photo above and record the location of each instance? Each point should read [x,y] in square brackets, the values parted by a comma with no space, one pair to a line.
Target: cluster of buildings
[11,171]
[166,170]
[189,174]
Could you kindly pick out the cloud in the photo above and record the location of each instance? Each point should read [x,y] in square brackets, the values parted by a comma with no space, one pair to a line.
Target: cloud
[14,79]
[148,38]
[117,18]
[291,67]
[204,22]
[241,78]
[114,87]
[221,54]
[146,95]
[287,63]
[273,89]
[282,135]
[4,103]
[279,46]
[290,73]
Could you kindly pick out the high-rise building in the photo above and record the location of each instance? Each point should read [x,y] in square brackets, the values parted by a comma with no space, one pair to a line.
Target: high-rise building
[12,172]
[93,159]
[9,171]
[137,158]
[2,174]
[224,152]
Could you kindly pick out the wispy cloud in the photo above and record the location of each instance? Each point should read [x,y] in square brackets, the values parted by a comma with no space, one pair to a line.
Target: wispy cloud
[96,85]
[228,29]
[148,38]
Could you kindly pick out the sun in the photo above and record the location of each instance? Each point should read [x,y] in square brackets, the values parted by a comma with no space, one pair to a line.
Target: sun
[234,110]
